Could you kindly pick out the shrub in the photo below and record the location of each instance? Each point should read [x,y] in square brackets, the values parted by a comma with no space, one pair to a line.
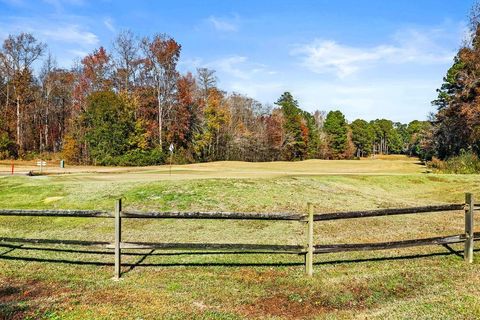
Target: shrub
[135,157]
[465,163]
[436,164]
[180,156]
[8,148]
[71,149]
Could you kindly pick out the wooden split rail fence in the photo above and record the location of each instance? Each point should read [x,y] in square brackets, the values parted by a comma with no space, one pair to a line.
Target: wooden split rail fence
[308,249]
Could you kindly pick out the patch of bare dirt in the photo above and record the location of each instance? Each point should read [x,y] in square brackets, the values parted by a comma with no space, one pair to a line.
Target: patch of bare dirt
[20,299]
[280,305]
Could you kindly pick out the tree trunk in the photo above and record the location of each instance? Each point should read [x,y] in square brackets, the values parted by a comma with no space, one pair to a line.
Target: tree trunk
[40,140]
[7,100]
[46,128]
[19,139]
[160,120]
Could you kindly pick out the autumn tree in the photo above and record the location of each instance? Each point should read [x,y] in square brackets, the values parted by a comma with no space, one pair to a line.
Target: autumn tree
[206,80]
[456,125]
[18,54]
[184,114]
[97,70]
[275,132]
[162,54]
[93,74]
[211,141]
[127,61]
[455,103]
[122,108]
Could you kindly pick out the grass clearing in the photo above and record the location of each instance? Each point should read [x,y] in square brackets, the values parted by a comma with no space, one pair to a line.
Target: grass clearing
[60,282]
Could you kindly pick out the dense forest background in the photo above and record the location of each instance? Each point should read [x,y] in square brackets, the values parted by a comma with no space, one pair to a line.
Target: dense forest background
[126,106]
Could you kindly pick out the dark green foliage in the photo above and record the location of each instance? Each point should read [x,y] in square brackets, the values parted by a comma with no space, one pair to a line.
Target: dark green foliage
[362,137]
[109,123]
[138,157]
[386,137]
[450,85]
[313,142]
[390,137]
[336,128]
[395,142]
[112,135]
[418,133]
[295,141]
[402,131]
[8,148]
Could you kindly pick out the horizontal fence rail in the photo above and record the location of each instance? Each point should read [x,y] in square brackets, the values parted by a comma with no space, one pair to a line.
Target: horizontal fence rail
[387,212]
[57,241]
[308,248]
[392,244]
[57,213]
[167,246]
[279,216]
[212,246]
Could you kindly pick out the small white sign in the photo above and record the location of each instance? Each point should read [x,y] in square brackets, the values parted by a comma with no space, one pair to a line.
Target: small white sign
[41,163]
[171,147]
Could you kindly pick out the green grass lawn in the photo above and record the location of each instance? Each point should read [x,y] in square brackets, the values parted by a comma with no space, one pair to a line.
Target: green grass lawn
[67,282]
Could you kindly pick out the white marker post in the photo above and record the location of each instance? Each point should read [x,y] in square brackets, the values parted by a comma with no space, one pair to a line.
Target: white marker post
[171,155]
[41,164]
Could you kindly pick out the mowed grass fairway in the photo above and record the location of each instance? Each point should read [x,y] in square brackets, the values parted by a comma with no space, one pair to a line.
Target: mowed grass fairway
[67,282]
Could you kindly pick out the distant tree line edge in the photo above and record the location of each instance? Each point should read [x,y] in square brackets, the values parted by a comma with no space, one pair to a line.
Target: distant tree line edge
[126,107]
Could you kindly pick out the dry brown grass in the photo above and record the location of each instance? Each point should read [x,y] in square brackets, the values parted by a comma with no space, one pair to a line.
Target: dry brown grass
[74,283]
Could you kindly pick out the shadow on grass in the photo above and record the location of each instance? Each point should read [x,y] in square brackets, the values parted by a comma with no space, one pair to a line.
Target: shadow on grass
[453,251]
[127,253]
[144,256]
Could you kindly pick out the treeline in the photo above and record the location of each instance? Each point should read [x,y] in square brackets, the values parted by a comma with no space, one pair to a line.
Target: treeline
[127,106]
[455,132]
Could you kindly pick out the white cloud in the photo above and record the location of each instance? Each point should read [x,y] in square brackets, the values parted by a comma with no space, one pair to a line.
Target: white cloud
[233,66]
[67,37]
[224,24]
[261,89]
[395,79]
[237,67]
[237,73]
[189,64]
[108,22]
[327,56]
[70,33]
[46,30]
[78,53]
[409,46]
[402,99]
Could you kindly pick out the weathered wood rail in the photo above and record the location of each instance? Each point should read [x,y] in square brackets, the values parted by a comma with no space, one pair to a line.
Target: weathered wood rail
[308,249]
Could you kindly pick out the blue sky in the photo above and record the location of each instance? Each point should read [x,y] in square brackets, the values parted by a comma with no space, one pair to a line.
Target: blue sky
[369,59]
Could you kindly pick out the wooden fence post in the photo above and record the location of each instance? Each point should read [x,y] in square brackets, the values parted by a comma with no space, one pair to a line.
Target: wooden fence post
[118,239]
[309,255]
[468,250]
